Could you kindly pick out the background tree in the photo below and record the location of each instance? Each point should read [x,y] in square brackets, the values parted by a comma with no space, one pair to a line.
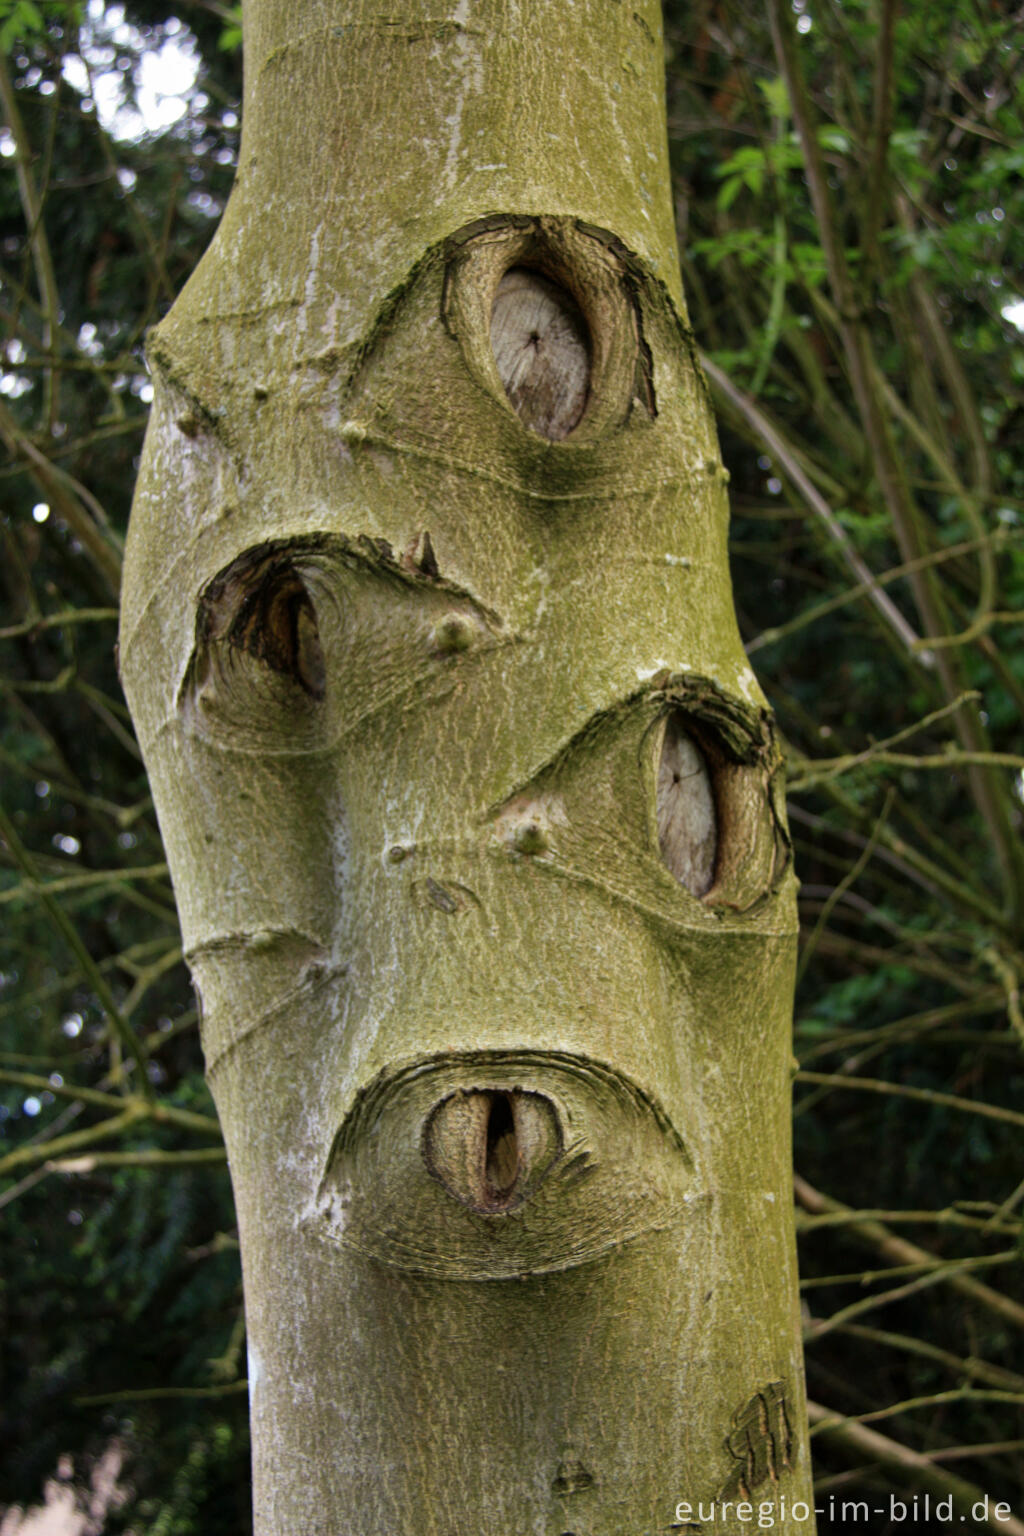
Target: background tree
[124,1279]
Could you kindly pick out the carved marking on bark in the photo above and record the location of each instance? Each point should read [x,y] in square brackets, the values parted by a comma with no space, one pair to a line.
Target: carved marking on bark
[760,1441]
[283,617]
[572,1476]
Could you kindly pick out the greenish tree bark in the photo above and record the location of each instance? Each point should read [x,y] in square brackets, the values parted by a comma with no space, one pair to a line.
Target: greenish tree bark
[472,803]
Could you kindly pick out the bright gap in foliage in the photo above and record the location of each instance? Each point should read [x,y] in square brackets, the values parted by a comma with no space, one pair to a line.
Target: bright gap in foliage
[138,88]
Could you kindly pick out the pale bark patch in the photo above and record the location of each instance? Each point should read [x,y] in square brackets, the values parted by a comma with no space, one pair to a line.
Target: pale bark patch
[542,350]
[687,823]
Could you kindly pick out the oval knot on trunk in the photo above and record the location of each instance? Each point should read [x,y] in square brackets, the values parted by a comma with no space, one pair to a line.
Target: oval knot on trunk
[490,1147]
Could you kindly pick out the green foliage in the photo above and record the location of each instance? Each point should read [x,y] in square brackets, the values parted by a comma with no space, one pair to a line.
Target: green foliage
[24,21]
[231,37]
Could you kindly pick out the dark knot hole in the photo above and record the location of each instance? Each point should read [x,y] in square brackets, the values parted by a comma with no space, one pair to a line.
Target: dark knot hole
[501,1167]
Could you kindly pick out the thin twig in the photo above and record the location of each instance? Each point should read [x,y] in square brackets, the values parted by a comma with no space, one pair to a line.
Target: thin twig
[914,1468]
[956,1395]
[60,920]
[874,1235]
[904,1091]
[780,453]
[147,1157]
[158,1394]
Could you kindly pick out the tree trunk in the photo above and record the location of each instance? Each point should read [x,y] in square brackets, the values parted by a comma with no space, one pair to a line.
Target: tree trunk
[472,804]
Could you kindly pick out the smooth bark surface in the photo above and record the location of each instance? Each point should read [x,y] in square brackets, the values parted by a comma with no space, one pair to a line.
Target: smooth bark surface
[472,804]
